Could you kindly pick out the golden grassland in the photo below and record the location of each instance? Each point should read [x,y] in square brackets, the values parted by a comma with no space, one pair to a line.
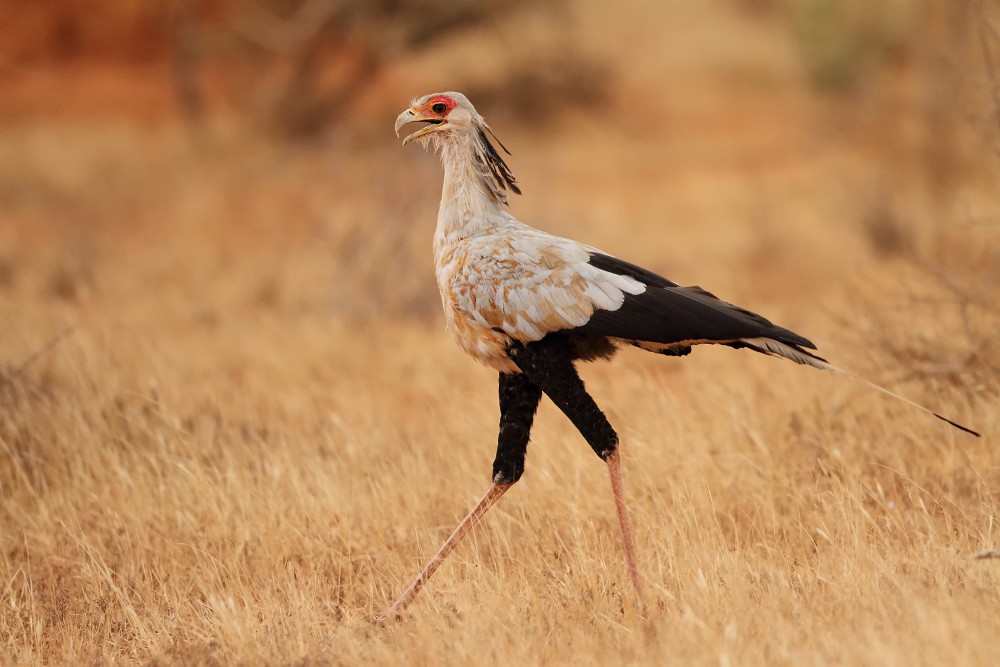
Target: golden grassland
[250,430]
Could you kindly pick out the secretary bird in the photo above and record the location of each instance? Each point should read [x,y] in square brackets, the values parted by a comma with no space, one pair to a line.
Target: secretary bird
[530,305]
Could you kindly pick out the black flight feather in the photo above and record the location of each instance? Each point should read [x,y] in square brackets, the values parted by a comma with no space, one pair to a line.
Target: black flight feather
[667,313]
[623,268]
[670,315]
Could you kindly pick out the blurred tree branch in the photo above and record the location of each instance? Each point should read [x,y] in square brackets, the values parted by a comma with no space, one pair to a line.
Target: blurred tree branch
[184,47]
[293,64]
[989,40]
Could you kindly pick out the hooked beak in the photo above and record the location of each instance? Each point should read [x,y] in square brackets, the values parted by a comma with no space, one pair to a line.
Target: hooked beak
[411,116]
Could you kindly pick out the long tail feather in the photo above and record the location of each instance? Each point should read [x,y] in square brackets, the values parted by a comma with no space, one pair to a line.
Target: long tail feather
[799,356]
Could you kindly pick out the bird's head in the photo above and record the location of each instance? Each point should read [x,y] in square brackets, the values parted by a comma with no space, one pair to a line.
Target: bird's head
[445,114]
[450,117]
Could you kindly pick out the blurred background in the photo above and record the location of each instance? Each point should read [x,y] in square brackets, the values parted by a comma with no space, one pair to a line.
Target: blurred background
[224,383]
[183,162]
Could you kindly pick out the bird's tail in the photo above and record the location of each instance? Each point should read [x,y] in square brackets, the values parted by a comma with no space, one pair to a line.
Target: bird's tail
[800,356]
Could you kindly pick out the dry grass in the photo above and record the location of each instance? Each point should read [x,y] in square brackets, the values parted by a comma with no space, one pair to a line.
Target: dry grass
[255,431]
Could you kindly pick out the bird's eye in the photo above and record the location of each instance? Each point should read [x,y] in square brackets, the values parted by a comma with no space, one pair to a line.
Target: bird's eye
[439,108]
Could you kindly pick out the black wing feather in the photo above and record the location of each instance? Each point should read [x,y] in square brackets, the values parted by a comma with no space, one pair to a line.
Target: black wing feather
[623,268]
[667,313]
[670,315]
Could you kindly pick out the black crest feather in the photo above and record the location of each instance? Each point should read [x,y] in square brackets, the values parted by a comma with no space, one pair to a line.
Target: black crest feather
[501,178]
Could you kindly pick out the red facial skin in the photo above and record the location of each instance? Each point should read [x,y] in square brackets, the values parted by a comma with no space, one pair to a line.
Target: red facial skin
[441,99]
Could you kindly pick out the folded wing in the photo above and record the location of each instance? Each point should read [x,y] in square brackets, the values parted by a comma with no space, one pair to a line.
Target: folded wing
[668,316]
[532,284]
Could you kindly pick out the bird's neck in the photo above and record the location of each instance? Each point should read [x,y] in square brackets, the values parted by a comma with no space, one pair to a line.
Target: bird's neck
[470,204]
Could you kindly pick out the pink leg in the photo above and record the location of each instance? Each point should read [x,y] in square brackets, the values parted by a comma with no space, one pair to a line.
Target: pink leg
[628,544]
[449,545]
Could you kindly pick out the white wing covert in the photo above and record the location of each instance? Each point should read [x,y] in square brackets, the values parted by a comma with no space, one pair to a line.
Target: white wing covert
[530,284]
